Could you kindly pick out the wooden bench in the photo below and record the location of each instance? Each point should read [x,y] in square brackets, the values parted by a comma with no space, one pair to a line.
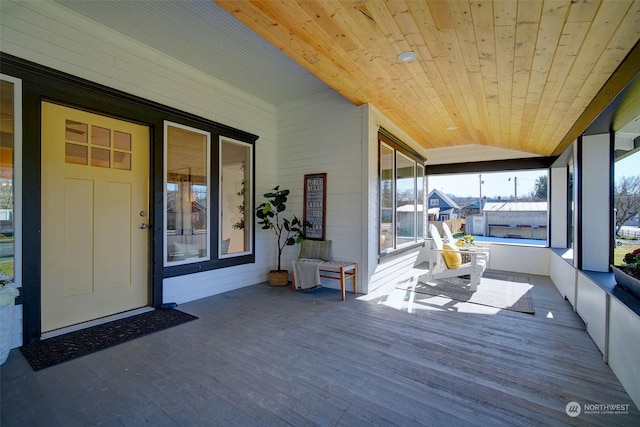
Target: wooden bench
[336,270]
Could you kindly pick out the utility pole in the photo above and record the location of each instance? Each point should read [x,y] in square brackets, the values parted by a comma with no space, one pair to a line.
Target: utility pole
[480,185]
[515,188]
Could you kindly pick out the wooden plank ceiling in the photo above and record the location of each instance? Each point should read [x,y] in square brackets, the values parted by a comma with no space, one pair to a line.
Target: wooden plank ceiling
[509,74]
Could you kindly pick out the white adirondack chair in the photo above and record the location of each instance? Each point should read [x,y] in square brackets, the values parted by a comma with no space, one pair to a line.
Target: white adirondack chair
[447,233]
[438,267]
[451,240]
[430,262]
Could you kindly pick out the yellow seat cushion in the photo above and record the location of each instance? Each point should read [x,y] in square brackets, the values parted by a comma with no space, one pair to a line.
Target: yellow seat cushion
[452,259]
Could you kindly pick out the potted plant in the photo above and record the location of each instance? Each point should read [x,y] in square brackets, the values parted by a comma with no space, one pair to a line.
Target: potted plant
[628,275]
[288,231]
[466,240]
[8,293]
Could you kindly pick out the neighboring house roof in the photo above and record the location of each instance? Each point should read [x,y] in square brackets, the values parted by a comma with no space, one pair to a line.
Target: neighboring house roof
[446,199]
[409,208]
[515,207]
[474,205]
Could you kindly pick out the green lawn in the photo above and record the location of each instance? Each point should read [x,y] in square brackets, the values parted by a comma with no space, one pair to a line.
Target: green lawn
[6,265]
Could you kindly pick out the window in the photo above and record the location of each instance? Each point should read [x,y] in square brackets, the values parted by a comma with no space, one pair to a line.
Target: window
[186,194]
[626,188]
[570,203]
[626,204]
[421,201]
[496,206]
[10,160]
[208,198]
[235,197]
[402,196]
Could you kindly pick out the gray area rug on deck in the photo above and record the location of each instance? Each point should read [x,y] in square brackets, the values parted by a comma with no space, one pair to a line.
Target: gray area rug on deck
[494,290]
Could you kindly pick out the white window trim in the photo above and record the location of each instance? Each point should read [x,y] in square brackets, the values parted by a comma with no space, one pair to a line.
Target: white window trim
[248,211]
[168,263]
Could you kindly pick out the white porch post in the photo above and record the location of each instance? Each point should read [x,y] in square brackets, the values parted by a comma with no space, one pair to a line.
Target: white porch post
[558,198]
[595,204]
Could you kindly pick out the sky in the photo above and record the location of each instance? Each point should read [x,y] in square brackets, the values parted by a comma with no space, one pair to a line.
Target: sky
[494,184]
[628,166]
[502,183]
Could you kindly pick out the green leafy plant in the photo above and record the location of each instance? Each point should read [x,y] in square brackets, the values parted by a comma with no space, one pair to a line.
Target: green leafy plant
[270,216]
[467,239]
[632,261]
[240,224]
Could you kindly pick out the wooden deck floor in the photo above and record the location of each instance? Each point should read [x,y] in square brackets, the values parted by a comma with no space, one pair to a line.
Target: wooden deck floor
[266,356]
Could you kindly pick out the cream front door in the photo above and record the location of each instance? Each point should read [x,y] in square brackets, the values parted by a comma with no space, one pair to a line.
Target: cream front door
[95,175]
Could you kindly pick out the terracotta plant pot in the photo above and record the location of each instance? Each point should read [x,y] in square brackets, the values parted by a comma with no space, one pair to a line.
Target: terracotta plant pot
[279,278]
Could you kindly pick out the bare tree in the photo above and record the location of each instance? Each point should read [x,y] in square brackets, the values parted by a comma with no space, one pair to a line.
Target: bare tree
[626,199]
[539,192]
[465,203]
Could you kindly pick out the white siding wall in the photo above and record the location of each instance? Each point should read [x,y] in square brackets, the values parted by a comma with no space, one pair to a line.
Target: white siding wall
[322,133]
[51,35]
[519,259]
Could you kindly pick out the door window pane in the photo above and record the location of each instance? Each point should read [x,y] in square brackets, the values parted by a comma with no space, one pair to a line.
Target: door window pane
[100,136]
[121,160]
[77,132]
[121,140]
[186,194]
[100,157]
[75,153]
[235,197]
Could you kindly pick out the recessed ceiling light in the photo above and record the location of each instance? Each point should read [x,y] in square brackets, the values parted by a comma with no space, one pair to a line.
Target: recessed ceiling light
[452,127]
[407,56]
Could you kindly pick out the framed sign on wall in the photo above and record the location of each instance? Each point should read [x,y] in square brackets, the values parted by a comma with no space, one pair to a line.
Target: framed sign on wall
[315,202]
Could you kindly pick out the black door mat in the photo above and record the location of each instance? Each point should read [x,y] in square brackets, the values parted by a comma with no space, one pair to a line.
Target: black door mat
[52,351]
